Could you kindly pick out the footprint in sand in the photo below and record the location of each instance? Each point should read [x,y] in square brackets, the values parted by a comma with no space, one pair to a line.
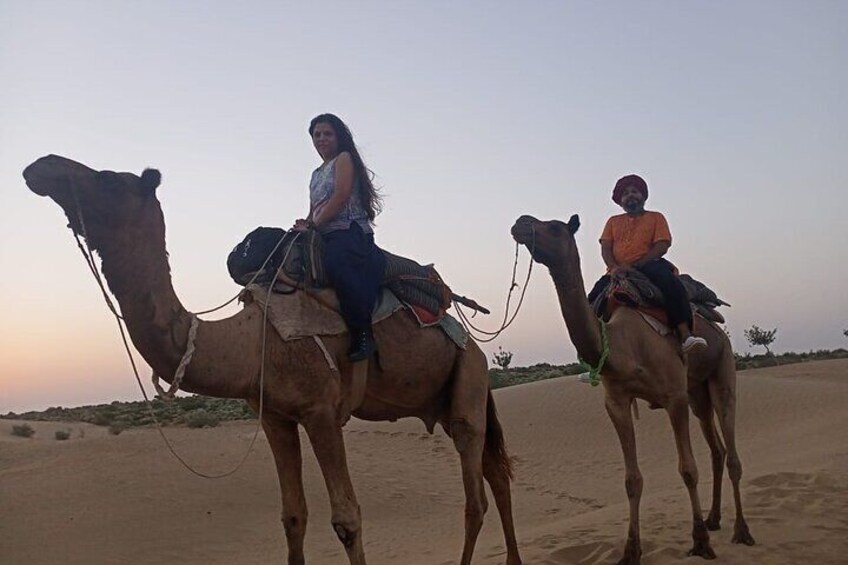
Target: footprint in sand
[584,553]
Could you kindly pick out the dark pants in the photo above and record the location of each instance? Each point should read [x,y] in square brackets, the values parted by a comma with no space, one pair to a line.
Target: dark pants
[354,267]
[661,273]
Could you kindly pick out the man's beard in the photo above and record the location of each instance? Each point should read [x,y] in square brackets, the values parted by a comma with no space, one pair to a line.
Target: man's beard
[633,205]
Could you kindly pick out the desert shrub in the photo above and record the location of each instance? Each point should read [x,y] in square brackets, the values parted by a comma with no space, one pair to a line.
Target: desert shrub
[62,435]
[117,428]
[190,403]
[22,430]
[102,419]
[201,419]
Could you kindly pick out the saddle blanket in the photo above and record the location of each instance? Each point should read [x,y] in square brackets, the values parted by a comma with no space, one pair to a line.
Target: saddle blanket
[300,314]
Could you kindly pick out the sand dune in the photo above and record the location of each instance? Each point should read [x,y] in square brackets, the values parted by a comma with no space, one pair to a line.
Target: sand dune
[98,498]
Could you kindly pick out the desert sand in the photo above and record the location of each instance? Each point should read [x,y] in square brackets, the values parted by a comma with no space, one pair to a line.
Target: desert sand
[98,498]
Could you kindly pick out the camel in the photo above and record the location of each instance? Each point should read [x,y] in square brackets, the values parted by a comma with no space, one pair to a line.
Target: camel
[643,364]
[438,382]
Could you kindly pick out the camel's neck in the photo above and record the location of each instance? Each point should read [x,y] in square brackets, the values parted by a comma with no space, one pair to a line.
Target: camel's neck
[583,328]
[136,267]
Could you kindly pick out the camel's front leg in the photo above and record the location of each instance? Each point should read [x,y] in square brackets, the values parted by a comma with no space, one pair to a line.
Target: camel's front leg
[325,434]
[678,411]
[284,440]
[619,413]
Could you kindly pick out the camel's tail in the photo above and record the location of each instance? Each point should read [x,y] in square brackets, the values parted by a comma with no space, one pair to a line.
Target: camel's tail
[494,451]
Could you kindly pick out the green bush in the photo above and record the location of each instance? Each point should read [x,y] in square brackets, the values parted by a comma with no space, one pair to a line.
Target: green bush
[116,428]
[201,419]
[62,435]
[102,419]
[22,430]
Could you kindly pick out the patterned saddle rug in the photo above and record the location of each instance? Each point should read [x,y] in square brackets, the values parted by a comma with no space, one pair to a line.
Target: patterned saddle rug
[632,288]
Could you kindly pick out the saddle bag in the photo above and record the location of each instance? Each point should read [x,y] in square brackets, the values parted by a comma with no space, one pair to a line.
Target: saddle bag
[258,255]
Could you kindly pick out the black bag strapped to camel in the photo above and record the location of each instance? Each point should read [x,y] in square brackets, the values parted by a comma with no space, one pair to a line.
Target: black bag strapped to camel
[632,288]
[259,257]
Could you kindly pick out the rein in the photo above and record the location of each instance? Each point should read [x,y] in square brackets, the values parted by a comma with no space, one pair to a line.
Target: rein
[487,336]
[186,359]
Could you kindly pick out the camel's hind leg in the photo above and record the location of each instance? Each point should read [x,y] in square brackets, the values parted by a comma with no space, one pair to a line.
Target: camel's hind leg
[702,407]
[467,426]
[622,420]
[497,469]
[678,411]
[284,440]
[723,394]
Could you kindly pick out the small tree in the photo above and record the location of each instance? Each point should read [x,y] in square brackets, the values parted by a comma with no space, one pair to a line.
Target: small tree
[758,336]
[502,358]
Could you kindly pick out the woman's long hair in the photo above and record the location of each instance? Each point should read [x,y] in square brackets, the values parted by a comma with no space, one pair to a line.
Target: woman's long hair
[371,199]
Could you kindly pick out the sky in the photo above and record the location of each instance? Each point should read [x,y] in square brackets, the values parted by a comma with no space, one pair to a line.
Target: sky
[470,114]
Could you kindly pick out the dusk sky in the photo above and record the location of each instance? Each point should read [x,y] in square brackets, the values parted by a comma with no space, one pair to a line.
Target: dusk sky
[470,114]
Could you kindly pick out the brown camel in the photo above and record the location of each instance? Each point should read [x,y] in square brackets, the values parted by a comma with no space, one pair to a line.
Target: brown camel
[437,382]
[643,364]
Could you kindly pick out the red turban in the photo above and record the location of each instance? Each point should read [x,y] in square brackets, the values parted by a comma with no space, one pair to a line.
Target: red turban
[630,180]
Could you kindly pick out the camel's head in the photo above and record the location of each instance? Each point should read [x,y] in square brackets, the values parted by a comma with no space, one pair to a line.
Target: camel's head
[108,202]
[551,243]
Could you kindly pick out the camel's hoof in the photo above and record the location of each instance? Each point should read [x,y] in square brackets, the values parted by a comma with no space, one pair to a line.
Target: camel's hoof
[702,550]
[713,523]
[632,554]
[742,535]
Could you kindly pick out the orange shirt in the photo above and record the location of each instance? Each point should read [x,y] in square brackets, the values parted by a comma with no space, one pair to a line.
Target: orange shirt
[633,236]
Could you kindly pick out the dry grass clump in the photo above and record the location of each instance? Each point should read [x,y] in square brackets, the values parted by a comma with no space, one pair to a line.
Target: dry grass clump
[23,430]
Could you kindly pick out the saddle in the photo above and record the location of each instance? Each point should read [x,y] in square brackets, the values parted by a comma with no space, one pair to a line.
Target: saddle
[633,289]
[297,261]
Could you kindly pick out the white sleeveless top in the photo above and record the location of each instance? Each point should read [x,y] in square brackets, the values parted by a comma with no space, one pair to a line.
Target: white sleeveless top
[321,188]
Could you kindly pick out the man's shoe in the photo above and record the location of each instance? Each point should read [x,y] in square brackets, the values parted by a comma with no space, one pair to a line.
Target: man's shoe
[362,345]
[693,343]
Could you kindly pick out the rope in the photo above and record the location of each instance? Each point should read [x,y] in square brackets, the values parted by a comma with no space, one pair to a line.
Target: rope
[507,319]
[88,255]
[595,371]
[178,375]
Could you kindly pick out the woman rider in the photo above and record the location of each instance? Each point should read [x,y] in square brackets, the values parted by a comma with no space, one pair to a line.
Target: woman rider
[342,206]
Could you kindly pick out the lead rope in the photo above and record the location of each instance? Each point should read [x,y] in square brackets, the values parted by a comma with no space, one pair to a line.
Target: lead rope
[507,319]
[595,371]
[88,255]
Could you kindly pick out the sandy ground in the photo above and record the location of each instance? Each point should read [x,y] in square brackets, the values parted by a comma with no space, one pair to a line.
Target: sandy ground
[98,498]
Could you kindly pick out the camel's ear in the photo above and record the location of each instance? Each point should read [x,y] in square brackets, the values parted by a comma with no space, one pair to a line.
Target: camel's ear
[150,179]
[573,224]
